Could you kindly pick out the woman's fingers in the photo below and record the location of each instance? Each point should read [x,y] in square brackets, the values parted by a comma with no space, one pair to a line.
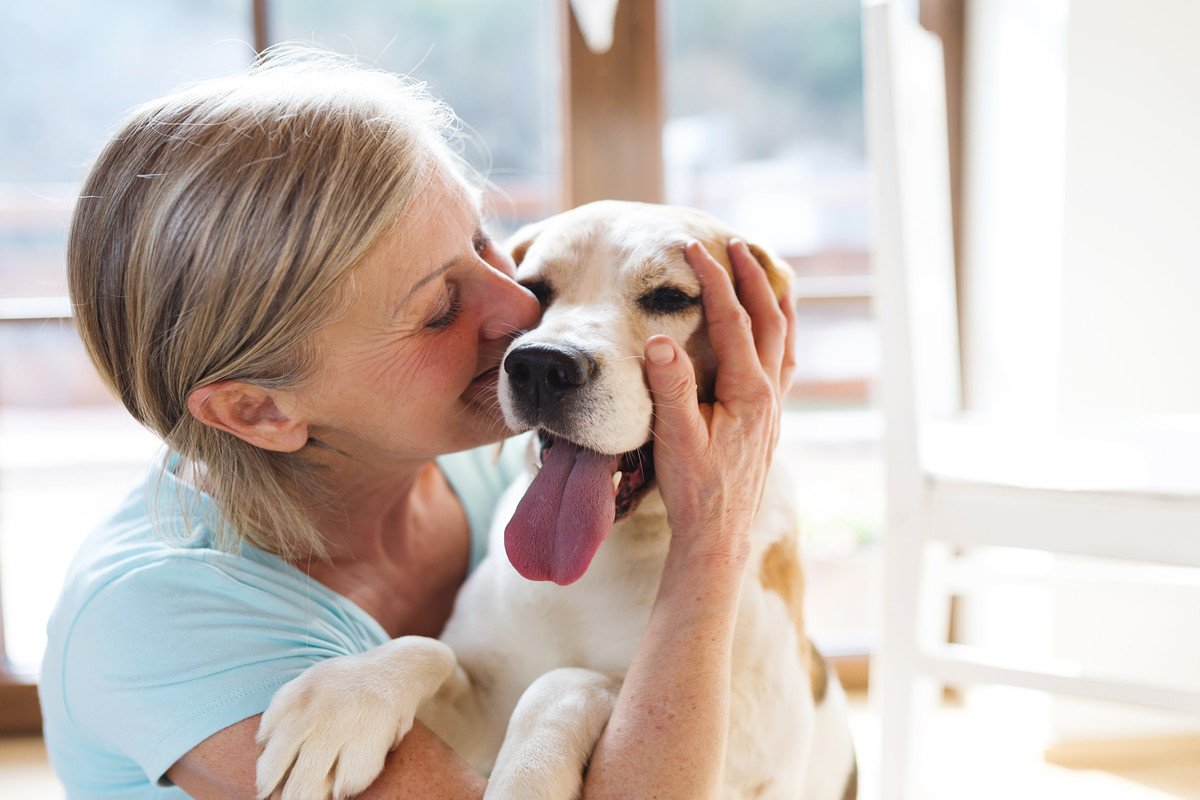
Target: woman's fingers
[672,380]
[687,472]
[711,460]
[729,327]
[768,324]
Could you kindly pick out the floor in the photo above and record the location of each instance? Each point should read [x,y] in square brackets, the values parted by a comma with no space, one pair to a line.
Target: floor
[974,750]
[24,771]
[986,748]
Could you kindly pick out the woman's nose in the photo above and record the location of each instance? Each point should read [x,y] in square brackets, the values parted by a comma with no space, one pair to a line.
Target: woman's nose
[511,307]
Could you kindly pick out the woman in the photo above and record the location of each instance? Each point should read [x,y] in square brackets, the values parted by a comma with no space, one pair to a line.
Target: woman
[284,275]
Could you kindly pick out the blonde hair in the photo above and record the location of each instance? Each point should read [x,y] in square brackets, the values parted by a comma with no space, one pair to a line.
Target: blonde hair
[209,244]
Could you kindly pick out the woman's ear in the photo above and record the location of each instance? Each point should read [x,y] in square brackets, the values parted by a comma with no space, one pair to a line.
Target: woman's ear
[249,412]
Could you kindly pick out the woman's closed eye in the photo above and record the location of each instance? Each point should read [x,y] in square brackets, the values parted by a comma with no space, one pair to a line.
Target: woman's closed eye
[448,311]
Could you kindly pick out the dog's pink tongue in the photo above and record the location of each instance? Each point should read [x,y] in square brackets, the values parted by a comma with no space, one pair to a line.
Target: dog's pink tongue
[564,516]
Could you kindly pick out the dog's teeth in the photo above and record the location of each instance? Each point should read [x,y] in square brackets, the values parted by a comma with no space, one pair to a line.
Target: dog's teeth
[616,480]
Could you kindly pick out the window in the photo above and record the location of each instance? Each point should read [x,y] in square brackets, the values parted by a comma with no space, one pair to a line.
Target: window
[496,64]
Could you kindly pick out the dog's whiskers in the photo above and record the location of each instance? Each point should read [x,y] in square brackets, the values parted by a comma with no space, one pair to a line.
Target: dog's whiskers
[658,440]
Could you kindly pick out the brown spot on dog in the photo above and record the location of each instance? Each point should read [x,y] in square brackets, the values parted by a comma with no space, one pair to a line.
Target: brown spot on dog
[851,790]
[818,674]
[779,272]
[760,789]
[518,244]
[781,573]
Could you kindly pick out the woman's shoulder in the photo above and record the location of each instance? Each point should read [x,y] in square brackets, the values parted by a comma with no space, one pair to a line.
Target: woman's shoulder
[155,623]
[161,531]
[151,577]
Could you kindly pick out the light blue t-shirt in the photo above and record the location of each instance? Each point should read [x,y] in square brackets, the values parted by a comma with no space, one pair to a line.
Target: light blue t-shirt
[156,644]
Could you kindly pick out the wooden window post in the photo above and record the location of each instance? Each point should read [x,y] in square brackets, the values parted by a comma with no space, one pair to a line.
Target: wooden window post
[613,110]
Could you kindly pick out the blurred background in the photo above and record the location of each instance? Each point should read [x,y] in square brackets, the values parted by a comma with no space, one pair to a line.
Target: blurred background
[793,178]
[751,110]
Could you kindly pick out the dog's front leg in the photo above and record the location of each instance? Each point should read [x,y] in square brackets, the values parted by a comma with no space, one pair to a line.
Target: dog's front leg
[551,735]
[327,732]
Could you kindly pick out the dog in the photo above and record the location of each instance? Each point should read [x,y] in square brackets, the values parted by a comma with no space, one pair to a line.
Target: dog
[528,669]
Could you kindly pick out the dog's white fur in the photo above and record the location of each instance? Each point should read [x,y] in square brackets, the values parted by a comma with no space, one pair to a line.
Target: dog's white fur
[526,674]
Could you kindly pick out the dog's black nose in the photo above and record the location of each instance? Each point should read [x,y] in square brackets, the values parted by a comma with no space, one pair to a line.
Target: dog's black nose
[542,374]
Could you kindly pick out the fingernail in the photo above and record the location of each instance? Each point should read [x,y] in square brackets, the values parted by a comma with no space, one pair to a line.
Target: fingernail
[660,353]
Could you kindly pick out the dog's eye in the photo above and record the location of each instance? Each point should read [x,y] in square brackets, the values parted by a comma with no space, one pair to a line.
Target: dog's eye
[541,290]
[667,300]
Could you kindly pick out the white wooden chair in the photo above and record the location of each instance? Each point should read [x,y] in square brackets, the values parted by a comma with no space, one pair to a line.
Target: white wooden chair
[1118,491]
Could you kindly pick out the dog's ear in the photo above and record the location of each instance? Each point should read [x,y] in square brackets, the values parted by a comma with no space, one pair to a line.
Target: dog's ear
[518,244]
[779,272]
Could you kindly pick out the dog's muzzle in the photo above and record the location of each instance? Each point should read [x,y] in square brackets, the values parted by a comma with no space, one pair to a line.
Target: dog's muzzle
[544,376]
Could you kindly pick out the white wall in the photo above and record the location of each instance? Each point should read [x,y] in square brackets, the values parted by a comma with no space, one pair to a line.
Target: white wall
[1131,308]
[1081,275]
[1081,250]
[1131,269]
[1142,626]
[1015,115]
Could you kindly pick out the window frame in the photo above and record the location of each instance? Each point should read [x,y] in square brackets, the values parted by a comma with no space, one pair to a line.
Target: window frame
[19,709]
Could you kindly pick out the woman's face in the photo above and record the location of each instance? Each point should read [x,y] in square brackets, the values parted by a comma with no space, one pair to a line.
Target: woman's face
[409,371]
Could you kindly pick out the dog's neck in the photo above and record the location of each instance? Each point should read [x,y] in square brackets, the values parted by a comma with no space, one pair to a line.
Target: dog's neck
[642,535]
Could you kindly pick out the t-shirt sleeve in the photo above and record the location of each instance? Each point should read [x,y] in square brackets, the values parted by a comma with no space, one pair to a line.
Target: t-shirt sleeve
[166,655]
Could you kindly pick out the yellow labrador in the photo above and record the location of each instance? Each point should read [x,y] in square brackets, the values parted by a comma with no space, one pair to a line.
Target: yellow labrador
[528,669]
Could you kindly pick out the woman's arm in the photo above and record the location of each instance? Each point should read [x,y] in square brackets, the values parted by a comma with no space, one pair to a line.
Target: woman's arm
[667,735]
[423,766]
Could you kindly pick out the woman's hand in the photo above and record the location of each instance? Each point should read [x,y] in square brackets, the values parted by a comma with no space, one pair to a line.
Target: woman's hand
[711,461]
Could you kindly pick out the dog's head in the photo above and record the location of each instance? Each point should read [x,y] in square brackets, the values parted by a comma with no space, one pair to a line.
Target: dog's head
[609,275]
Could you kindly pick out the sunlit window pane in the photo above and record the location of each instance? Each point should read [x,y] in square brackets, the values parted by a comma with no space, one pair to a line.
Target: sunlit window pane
[71,71]
[765,119]
[494,63]
[68,453]
[765,130]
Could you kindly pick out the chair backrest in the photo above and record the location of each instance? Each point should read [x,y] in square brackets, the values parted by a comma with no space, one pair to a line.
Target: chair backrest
[914,255]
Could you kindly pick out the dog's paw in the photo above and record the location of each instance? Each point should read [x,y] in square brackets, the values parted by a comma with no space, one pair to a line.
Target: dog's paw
[551,734]
[326,733]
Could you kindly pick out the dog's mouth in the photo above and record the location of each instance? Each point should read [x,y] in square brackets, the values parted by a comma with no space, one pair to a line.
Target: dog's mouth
[636,471]
[571,505]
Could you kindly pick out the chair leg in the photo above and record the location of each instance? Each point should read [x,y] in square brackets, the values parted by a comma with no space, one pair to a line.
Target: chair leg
[896,662]
[916,614]
[916,617]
